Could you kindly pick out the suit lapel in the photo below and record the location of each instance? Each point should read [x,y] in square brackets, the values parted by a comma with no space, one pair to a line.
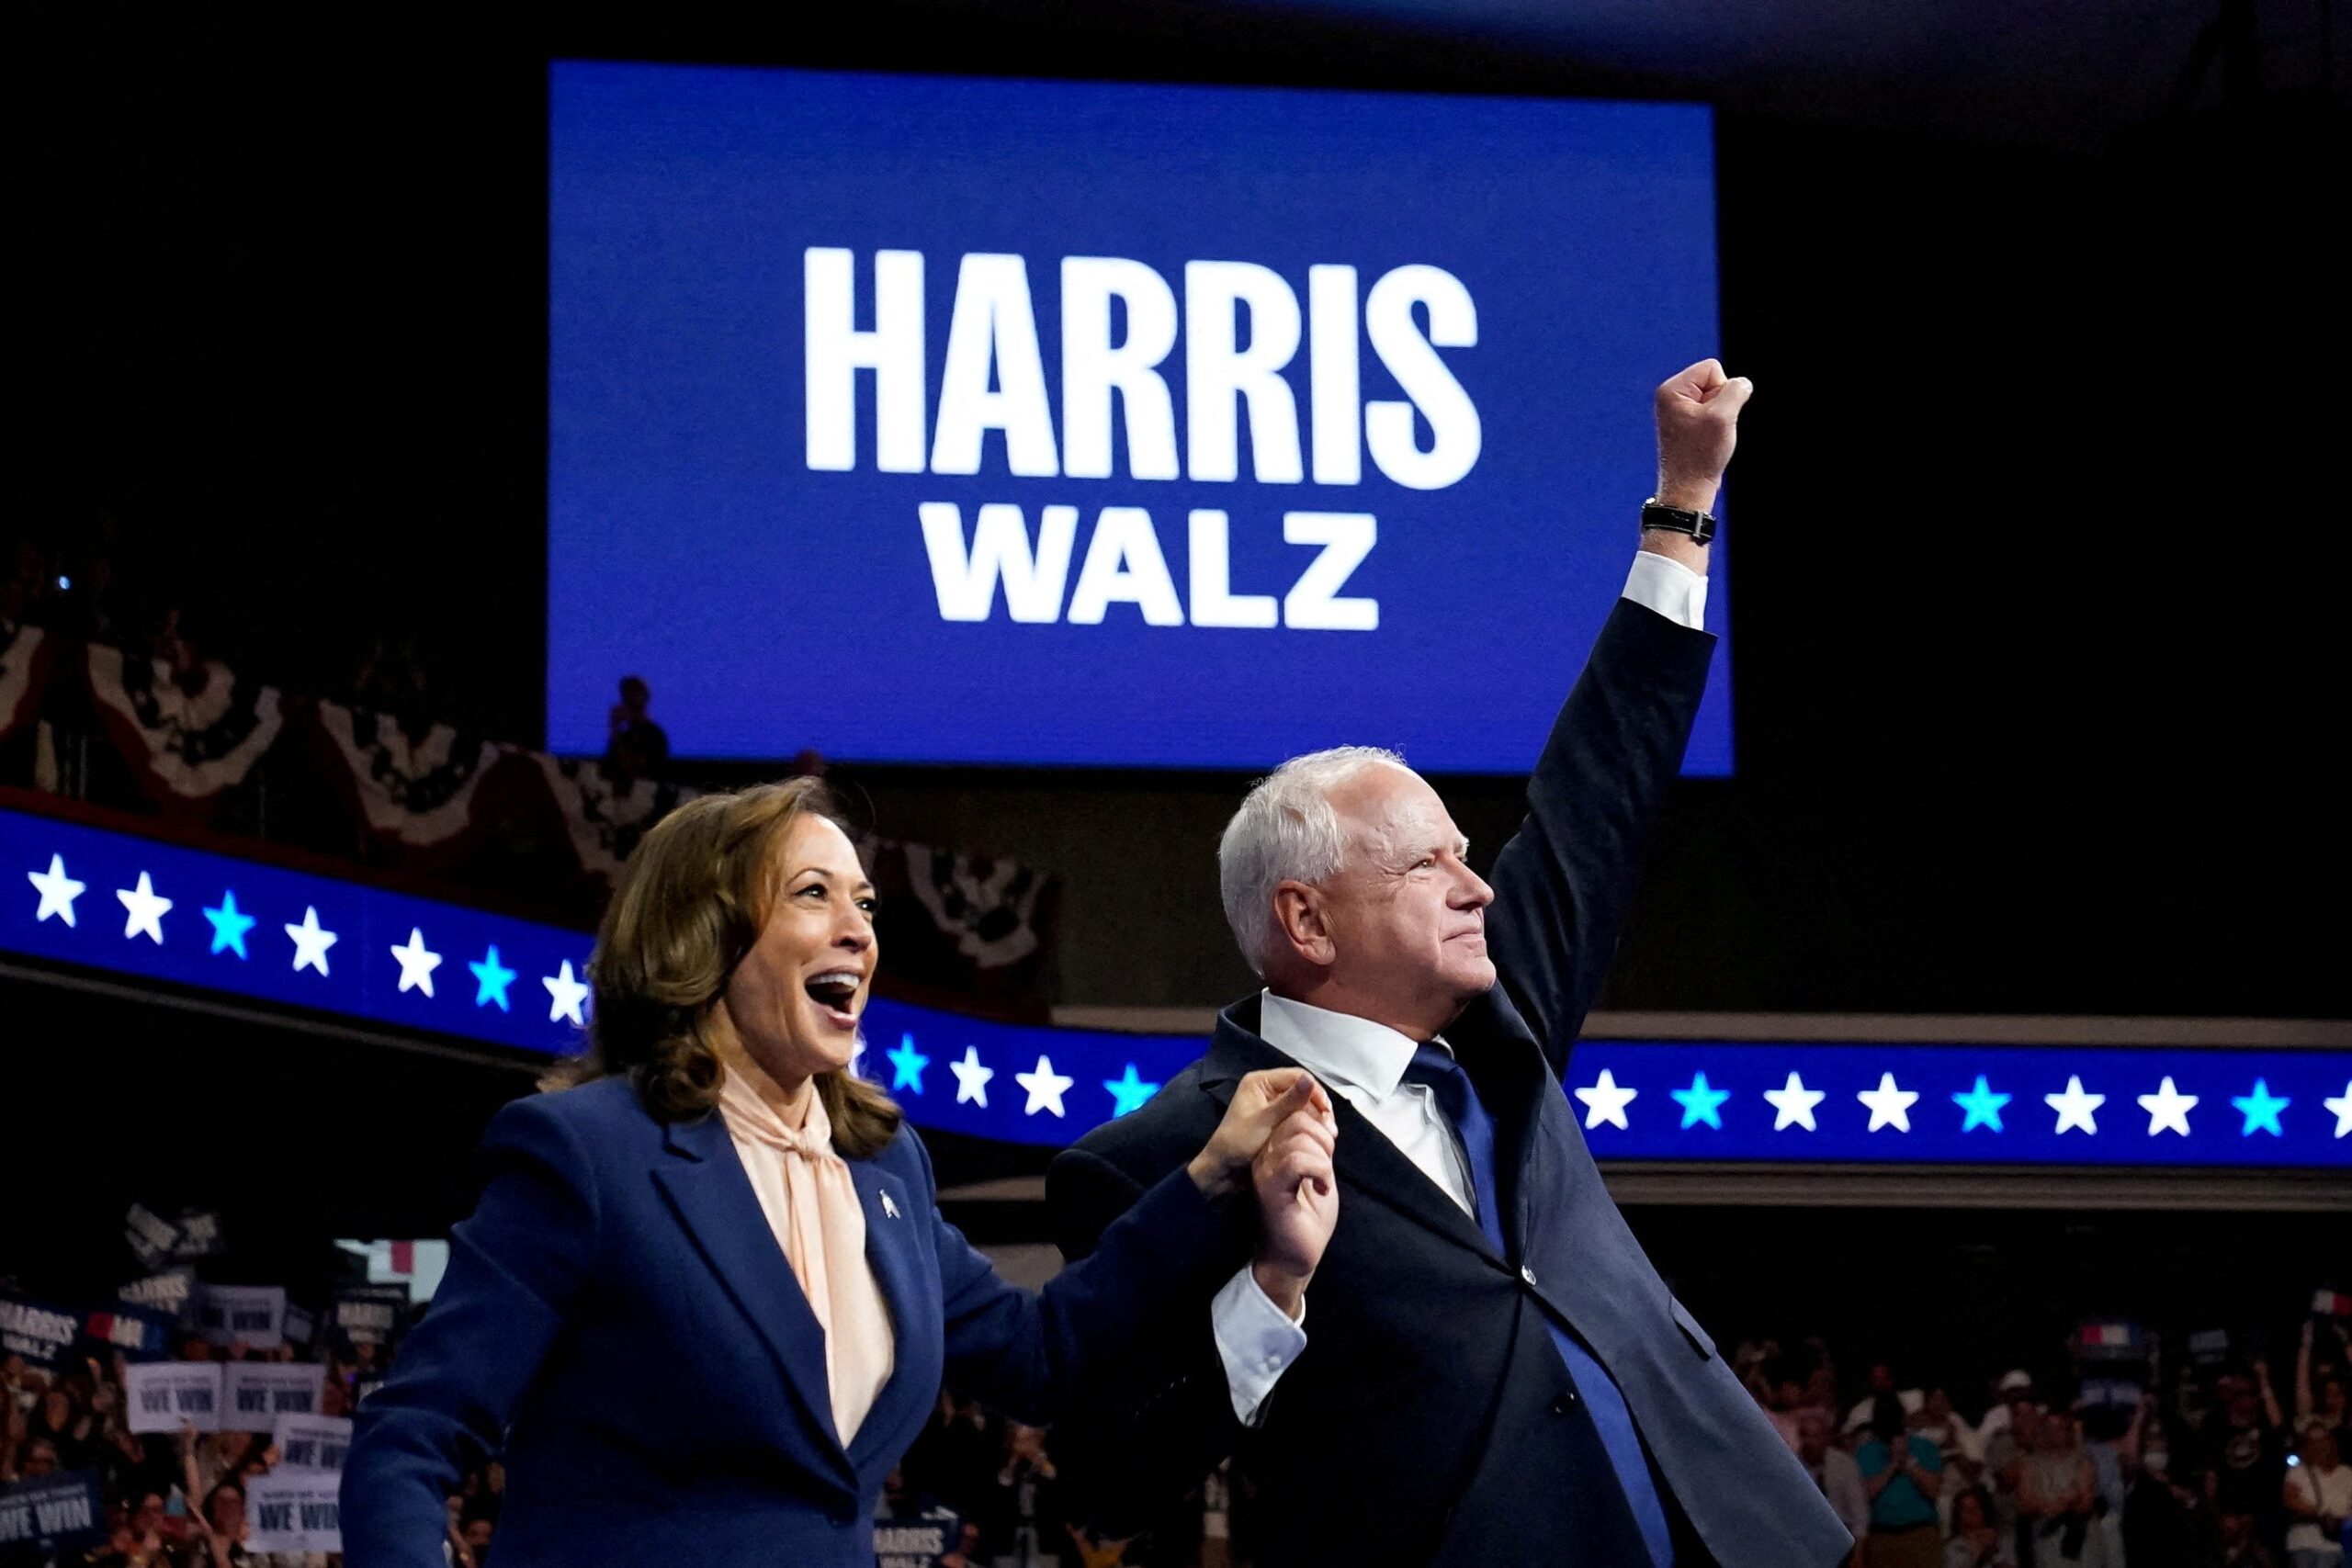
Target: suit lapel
[892,1252]
[1363,1157]
[714,1201]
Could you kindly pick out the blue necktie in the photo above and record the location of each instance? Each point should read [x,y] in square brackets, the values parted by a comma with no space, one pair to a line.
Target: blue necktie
[1436,1069]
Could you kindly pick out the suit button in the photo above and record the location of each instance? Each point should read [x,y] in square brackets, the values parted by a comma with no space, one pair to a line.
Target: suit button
[1566,1402]
[1527,1272]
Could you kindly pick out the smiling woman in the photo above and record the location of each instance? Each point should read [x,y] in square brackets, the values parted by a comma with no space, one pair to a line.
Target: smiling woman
[707,1299]
[741,936]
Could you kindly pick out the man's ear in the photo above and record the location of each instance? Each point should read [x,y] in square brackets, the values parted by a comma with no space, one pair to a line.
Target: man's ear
[1299,917]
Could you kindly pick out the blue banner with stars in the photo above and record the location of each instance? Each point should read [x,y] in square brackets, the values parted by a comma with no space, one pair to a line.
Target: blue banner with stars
[155,910]
[141,908]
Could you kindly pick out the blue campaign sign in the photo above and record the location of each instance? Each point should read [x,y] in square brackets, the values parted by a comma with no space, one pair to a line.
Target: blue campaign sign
[952,420]
[132,907]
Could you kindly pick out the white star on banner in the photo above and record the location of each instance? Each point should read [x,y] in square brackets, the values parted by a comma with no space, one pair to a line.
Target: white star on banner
[1890,1106]
[1044,1086]
[1794,1102]
[2343,1109]
[2167,1108]
[417,965]
[2074,1106]
[310,942]
[565,995]
[144,909]
[58,891]
[1604,1102]
[971,1078]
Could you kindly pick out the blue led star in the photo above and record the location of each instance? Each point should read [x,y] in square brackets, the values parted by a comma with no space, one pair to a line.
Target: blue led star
[2262,1109]
[1128,1092]
[1983,1106]
[491,980]
[1701,1103]
[907,1065]
[230,925]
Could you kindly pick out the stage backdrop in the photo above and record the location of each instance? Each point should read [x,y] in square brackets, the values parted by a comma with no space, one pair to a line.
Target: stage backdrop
[948,420]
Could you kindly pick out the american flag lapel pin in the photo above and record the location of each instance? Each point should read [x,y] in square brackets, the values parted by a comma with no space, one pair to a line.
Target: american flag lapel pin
[890,1210]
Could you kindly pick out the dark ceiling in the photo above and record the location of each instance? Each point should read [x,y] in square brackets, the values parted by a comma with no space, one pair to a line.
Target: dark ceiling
[2072,74]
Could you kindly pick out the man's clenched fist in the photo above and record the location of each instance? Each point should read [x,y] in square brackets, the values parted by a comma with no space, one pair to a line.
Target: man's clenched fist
[1698,425]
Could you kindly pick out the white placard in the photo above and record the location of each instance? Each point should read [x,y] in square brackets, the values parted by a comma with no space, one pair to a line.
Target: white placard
[294,1510]
[162,1395]
[255,1394]
[253,1316]
[313,1442]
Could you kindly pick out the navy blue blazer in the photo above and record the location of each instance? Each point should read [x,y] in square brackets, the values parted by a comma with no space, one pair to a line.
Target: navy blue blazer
[619,1322]
[1430,1419]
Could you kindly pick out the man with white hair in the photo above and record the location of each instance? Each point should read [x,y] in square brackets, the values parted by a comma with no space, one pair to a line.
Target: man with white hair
[1492,1373]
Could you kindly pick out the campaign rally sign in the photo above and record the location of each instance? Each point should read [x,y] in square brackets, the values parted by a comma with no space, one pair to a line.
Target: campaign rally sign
[170,1291]
[39,1332]
[162,1397]
[915,1540]
[256,1394]
[141,1333]
[313,1442]
[294,1510]
[153,1239]
[1110,423]
[370,1315]
[50,1514]
[253,1316]
[200,1234]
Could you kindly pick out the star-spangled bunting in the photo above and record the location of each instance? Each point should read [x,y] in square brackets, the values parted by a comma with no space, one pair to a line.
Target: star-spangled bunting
[230,925]
[143,909]
[906,1066]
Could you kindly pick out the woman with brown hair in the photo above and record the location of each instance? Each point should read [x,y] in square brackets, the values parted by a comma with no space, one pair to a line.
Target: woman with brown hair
[706,1301]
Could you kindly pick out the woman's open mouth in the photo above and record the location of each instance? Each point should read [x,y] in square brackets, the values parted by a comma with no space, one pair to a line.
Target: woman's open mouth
[835,994]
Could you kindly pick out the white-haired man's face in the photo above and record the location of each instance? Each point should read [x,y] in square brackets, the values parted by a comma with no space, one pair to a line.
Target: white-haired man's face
[1400,933]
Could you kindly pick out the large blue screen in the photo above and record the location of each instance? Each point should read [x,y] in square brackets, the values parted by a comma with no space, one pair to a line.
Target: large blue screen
[968,420]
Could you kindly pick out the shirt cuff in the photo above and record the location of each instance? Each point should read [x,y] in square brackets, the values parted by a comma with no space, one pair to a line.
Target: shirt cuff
[1670,588]
[1254,1341]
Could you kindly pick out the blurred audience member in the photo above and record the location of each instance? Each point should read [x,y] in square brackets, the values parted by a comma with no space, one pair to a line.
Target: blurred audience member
[2318,1499]
[1834,1470]
[1902,1475]
[1975,1541]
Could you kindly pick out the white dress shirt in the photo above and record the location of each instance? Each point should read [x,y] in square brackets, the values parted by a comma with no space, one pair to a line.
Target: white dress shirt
[1366,1063]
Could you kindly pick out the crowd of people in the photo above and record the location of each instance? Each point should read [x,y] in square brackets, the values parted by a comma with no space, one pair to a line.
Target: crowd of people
[2135,1462]
[170,1500]
[2147,1456]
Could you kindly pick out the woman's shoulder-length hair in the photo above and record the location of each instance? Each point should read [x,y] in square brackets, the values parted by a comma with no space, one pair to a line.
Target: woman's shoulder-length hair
[687,907]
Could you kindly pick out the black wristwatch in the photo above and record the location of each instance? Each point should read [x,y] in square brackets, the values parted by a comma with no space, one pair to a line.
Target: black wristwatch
[1700,525]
